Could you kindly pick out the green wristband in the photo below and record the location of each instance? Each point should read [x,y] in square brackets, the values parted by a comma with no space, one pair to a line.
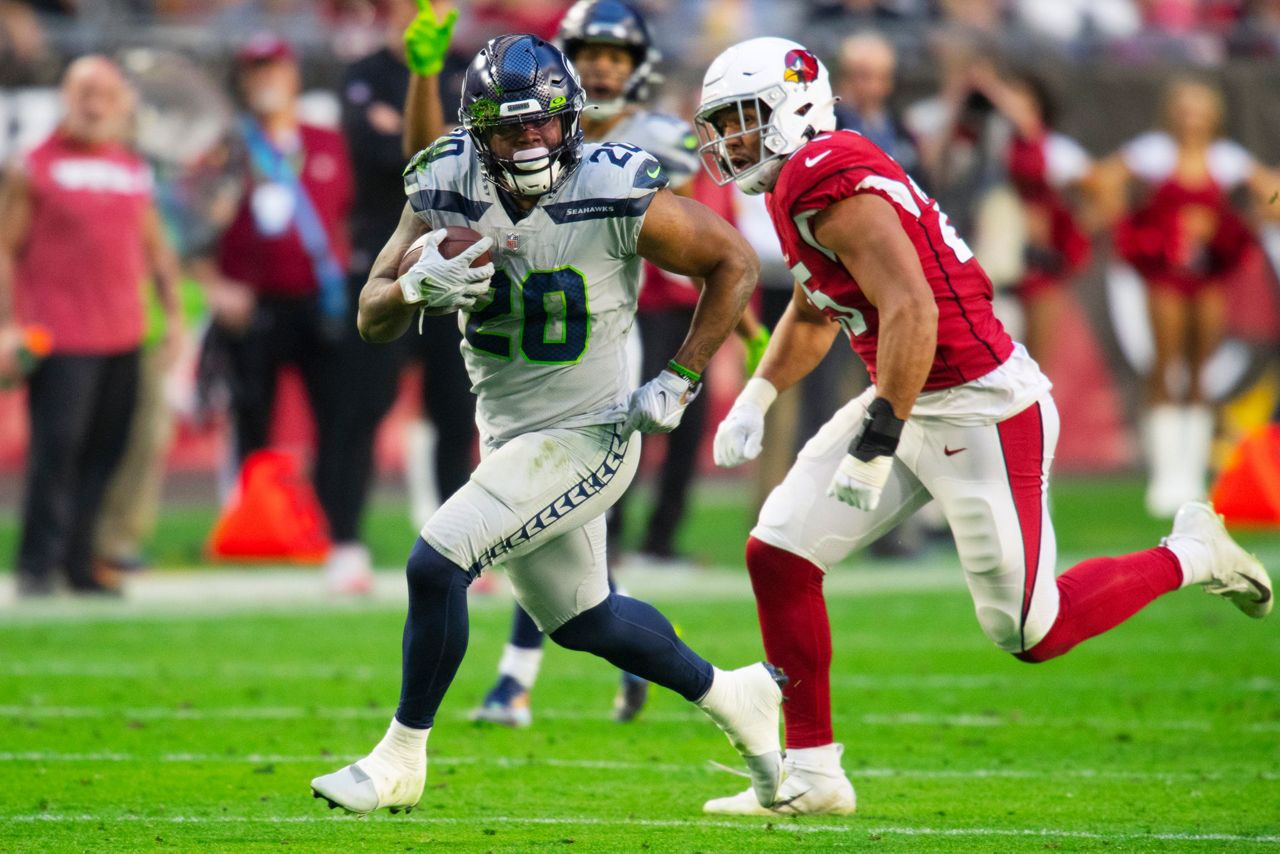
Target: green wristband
[684,373]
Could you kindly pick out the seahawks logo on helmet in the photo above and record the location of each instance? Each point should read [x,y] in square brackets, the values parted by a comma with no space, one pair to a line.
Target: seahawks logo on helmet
[521,79]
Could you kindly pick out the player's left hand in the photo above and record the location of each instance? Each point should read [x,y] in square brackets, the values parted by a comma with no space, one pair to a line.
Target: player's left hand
[656,407]
[859,483]
[426,40]
[862,474]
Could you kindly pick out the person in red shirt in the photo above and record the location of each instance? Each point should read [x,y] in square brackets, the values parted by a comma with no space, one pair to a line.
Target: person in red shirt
[957,411]
[79,234]
[277,278]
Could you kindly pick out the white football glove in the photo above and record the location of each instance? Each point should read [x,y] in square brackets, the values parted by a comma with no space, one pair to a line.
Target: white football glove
[447,284]
[740,436]
[862,474]
[656,407]
[859,484]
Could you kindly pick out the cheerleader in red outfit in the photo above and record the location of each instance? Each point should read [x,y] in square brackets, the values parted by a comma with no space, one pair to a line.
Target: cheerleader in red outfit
[1186,240]
[1046,168]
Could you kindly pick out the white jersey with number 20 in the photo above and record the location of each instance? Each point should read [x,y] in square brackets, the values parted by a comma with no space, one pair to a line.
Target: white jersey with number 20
[547,348]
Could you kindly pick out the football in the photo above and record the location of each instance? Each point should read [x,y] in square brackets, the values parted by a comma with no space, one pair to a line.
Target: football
[456,240]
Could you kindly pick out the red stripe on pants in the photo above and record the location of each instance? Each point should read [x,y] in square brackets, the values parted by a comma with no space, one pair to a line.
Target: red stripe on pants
[1022,443]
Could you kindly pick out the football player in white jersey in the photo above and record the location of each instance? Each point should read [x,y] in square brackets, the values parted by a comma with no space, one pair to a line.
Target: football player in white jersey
[544,341]
[609,45]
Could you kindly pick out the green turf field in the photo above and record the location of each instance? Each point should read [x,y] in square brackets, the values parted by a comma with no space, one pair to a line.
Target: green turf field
[127,728]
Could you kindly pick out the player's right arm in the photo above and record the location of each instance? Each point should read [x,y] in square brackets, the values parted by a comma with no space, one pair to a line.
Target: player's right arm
[383,313]
[866,235]
[685,237]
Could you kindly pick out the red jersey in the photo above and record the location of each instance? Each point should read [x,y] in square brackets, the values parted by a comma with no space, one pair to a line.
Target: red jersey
[81,270]
[273,260]
[1185,235]
[835,166]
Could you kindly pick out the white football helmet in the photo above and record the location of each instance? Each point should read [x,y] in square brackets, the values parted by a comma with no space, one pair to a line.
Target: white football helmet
[769,88]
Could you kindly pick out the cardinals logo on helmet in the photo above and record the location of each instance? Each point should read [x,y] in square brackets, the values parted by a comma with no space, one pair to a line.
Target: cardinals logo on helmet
[802,67]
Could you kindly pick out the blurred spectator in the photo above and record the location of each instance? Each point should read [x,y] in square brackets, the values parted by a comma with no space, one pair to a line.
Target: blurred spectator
[1258,34]
[1187,241]
[22,45]
[131,505]
[540,17]
[960,136]
[867,63]
[54,7]
[981,16]
[277,287]
[374,97]
[1069,21]
[901,21]
[1045,168]
[79,201]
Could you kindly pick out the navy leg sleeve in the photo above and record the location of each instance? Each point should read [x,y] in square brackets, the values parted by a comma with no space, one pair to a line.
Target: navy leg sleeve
[435,633]
[633,636]
[524,632]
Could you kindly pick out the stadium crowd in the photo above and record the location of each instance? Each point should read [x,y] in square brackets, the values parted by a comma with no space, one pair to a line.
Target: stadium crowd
[276,168]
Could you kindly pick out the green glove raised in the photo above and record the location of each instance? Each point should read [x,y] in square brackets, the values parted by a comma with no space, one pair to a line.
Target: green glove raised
[756,345]
[426,40]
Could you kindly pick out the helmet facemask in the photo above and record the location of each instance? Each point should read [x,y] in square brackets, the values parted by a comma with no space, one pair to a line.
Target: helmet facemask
[514,81]
[773,94]
[749,118]
[532,171]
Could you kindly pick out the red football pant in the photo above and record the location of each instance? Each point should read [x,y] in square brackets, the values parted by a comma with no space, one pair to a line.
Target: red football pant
[1101,593]
[797,638]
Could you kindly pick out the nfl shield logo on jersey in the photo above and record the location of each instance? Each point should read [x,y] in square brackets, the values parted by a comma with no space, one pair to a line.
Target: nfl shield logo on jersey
[512,241]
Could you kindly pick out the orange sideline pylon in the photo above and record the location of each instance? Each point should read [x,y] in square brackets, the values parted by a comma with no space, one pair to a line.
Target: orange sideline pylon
[1248,489]
[272,515]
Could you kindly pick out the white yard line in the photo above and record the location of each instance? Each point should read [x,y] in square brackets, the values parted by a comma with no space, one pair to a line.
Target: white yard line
[751,826]
[874,682]
[847,680]
[45,756]
[256,713]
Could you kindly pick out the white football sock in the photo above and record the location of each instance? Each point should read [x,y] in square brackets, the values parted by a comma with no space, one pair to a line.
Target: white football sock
[821,760]
[403,746]
[521,664]
[1194,557]
[1198,433]
[1163,436]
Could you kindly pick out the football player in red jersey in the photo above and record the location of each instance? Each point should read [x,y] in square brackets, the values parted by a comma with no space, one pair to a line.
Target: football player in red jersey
[957,411]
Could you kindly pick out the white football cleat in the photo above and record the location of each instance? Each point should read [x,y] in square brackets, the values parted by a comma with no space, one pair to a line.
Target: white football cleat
[371,784]
[807,789]
[1232,573]
[517,713]
[744,703]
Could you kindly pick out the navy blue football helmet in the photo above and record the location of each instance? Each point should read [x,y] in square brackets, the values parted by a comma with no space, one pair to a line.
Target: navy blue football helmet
[617,23]
[521,79]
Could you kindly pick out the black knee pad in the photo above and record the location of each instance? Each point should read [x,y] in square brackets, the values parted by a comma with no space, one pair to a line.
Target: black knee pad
[427,569]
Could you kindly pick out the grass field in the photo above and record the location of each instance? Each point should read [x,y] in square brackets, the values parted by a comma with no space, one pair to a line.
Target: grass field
[126,727]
